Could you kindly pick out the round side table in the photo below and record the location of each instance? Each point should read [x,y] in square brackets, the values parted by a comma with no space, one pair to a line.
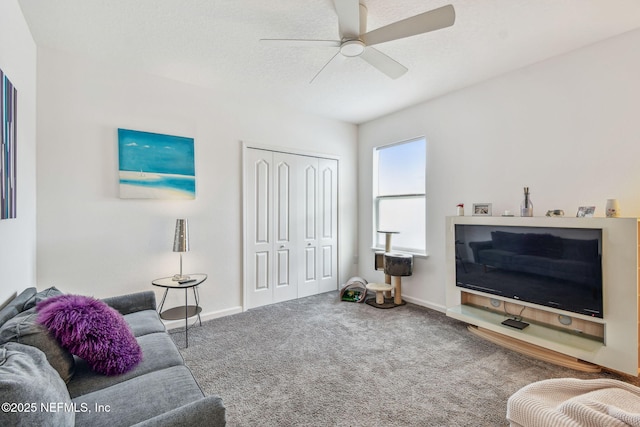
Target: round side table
[186,311]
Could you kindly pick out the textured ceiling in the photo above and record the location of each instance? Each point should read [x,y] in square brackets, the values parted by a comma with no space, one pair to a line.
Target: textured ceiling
[215,43]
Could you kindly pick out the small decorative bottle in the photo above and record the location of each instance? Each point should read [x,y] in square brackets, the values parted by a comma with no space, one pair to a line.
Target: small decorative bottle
[526,209]
[460,209]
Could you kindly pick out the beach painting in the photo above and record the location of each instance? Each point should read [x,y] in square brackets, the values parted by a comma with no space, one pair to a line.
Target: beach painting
[8,140]
[156,166]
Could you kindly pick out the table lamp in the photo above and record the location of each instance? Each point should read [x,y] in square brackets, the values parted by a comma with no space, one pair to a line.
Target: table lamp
[181,244]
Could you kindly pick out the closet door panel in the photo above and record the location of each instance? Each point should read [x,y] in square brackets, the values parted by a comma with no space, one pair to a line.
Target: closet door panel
[327,262]
[262,271]
[285,219]
[308,196]
[259,276]
[328,225]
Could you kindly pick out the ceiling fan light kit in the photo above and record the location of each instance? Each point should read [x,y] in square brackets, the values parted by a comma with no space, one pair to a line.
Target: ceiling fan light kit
[352,48]
[356,42]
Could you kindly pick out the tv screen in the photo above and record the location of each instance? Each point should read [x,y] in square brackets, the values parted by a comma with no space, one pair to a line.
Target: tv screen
[549,266]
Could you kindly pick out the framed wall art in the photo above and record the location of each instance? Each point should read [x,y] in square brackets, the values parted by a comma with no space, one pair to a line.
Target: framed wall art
[155,166]
[8,153]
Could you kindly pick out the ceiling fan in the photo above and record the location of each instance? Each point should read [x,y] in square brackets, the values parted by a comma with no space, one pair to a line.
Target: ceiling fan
[356,41]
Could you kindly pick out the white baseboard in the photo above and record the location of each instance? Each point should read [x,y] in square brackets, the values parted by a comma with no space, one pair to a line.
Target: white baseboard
[416,301]
[172,324]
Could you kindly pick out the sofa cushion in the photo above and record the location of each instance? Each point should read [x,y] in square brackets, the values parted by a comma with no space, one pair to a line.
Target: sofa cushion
[131,303]
[27,379]
[542,245]
[92,330]
[41,296]
[496,257]
[165,390]
[581,250]
[508,242]
[16,305]
[158,352]
[25,329]
[144,322]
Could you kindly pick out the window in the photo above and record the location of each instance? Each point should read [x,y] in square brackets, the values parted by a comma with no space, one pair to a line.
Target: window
[399,190]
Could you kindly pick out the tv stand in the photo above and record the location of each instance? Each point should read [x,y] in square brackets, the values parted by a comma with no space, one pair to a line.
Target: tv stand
[534,350]
[586,344]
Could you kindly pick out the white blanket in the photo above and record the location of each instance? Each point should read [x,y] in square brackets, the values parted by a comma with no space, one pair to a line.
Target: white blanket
[572,402]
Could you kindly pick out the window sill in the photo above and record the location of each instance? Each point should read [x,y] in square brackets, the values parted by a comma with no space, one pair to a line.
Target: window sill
[424,255]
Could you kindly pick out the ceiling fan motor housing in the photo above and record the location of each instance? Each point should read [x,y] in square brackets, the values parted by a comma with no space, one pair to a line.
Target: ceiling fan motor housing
[352,48]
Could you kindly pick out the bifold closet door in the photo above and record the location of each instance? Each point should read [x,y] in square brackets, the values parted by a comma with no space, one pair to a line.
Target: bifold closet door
[307,197]
[258,188]
[290,226]
[269,235]
[328,225]
[286,244]
[318,198]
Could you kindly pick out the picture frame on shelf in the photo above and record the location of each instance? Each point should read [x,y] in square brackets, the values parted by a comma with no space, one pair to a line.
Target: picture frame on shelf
[585,212]
[481,209]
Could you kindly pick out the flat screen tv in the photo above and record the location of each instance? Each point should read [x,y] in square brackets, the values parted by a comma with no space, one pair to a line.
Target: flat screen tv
[549,266]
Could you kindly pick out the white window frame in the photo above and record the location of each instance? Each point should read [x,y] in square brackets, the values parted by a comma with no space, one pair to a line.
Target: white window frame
[377,199]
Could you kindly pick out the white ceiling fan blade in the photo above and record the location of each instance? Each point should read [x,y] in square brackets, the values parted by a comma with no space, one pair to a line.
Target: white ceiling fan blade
[302,42]
[323,67]
[433,20]
[348,18]
[383,63]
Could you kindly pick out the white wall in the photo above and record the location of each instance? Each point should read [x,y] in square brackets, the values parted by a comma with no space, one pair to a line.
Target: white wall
[92,242]
[18,236]
[567,128]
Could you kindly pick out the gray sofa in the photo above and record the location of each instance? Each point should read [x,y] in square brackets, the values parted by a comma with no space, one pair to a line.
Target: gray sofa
[41,385]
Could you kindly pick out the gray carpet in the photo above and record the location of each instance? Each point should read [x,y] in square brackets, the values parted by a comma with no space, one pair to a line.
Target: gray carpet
[318,361]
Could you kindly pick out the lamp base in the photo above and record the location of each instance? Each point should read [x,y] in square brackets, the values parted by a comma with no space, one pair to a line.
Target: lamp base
[179,278]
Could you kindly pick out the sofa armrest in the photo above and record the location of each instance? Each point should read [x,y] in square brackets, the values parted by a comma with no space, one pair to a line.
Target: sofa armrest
[131,303]
[476,247]
[206,412]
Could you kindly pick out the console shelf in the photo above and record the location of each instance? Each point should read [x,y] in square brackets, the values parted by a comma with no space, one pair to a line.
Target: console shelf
[534,350]
[540,335]
[611,342]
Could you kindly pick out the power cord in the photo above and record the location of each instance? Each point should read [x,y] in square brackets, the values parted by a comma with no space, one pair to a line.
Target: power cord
[513,316]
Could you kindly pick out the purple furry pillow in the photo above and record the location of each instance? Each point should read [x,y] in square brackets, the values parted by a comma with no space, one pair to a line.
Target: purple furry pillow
[92,330]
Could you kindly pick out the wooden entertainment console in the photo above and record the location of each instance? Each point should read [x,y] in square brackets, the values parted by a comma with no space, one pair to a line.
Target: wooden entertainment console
[587,343]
